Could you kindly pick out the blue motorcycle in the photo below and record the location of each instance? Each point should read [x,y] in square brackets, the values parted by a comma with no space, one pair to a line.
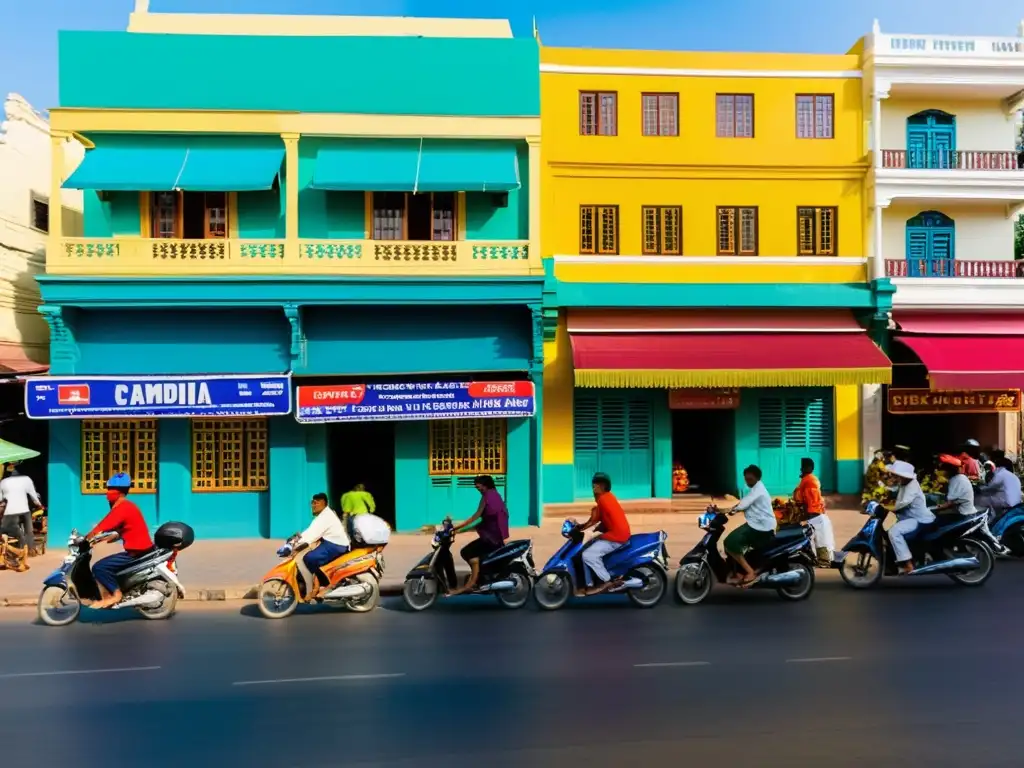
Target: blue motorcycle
[1008,530]
[952,545]
[642,564]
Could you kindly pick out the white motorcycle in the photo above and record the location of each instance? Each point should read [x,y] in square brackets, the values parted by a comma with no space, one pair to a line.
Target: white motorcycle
[149,584]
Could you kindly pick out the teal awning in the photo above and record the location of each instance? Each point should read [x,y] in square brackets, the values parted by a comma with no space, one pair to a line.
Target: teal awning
[370,166]
[417,166]
[201,168]
[463,167]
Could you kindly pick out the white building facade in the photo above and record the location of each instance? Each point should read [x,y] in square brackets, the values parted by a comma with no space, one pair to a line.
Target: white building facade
[24,226]
[944,187]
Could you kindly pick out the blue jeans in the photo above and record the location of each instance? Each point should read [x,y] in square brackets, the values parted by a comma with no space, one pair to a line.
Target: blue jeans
[105,570]
[321,556]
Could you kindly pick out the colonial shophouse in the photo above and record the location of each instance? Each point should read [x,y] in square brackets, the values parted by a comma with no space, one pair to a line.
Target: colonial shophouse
[944,188]
[302,267]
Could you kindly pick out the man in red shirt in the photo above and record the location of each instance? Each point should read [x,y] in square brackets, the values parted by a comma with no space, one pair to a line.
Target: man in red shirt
[125,521]
[614,533]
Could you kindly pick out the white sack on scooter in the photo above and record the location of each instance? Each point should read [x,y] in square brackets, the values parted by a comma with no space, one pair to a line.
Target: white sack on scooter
[822,537]
[370,530]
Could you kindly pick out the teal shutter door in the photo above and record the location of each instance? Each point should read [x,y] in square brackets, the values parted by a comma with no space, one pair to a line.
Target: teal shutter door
[791,426]
[931,245]
[917,147]
[612,434]
[931,140]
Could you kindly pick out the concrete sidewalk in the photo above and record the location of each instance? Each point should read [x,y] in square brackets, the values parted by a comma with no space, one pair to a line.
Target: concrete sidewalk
[232,569]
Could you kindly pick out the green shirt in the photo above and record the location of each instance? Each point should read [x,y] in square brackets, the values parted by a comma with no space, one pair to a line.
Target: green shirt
[357,503]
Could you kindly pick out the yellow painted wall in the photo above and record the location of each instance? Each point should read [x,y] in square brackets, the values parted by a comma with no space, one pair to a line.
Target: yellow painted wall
[774,170]
[848,403]
[558,398]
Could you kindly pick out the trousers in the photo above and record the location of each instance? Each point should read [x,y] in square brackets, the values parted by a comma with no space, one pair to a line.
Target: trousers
[593,560]
[898,537]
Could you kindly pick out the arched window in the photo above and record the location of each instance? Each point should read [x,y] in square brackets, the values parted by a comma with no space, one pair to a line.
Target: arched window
[931,140]
[931,245]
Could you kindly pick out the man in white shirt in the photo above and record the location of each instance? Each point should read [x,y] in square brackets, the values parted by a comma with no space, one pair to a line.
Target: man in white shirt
[759,529]
[911,510]
[960,492]
[1003,491]
[21,496]
[328,529]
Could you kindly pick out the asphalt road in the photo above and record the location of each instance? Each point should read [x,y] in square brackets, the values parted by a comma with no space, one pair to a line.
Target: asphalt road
[916,673]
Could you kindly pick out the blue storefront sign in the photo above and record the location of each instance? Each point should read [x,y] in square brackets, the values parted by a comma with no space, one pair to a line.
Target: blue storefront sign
[413,401]
[100,397]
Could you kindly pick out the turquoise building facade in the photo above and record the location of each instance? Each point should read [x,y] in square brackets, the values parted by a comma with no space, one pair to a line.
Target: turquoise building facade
[346,233]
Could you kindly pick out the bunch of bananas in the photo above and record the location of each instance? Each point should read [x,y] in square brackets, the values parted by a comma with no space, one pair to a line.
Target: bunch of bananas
[875,488]
[936,482]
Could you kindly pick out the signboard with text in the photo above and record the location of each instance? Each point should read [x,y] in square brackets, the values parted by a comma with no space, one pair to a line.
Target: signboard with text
[902,401]
[101,397]
[415,401]
[703,399]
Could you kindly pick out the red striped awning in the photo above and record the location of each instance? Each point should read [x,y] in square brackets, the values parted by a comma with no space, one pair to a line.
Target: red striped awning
[674,360]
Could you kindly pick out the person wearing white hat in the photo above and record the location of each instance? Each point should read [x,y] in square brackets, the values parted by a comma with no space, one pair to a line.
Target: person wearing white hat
[911,510]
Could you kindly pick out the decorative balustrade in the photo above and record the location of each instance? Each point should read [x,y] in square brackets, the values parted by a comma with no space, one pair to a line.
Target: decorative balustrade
[1003,269]
[950,160]
[140,256]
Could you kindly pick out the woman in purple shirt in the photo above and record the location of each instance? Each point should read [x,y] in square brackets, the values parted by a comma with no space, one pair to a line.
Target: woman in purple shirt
[492,530]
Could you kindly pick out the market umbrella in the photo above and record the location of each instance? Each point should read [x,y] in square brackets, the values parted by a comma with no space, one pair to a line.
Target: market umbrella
[10,452]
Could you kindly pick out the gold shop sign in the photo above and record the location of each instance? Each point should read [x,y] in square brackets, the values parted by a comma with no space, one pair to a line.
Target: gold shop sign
[703,399]
[953,401]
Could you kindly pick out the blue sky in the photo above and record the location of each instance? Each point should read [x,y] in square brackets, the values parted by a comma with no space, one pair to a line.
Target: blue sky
[28,35]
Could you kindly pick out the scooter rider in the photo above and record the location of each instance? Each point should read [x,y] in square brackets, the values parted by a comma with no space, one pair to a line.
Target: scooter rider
[125,521]
[615,532]
[911,509]
[326,528]
[757,531]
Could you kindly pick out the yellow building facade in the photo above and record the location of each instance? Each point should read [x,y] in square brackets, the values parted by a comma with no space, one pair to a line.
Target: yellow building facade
[704,216]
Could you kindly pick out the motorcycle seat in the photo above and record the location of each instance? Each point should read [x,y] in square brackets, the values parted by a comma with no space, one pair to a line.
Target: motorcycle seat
[155,555]
[504,551]
[642,540]
[789,531]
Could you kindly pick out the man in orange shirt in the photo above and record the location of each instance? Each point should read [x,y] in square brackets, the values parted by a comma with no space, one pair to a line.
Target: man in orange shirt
[808,496]
[614,533]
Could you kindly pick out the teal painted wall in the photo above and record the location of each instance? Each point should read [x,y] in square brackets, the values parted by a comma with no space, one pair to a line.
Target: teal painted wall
[559,482]
[518,471]
[849,476]
[408,340]
[412,478]
[365,75]
[261,214]
[136,342]
[118,215]
[661,434]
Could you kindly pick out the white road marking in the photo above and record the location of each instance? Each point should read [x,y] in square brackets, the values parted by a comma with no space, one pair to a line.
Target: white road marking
[79,672]
[821,658]
[320,679]
[675,664]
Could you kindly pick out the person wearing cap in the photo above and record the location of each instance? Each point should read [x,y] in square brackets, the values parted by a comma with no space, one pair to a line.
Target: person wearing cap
[911,511]
[969,459]
[125,522]
[960,492]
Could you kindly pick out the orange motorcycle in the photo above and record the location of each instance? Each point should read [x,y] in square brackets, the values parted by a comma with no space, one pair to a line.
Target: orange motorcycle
[353,581]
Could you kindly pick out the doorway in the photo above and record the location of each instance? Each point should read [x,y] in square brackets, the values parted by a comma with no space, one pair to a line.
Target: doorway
[704,444]
[362,452]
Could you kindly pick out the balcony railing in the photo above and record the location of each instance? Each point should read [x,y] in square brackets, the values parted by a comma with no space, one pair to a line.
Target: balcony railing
[950,160]
[140,256]
[1004,269]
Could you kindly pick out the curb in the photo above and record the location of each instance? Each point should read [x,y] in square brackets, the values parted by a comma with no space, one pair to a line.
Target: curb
[194,595]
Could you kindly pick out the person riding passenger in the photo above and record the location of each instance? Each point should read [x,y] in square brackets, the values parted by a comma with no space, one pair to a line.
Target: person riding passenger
[326,528]
[911,511]
[614,527]
[960,492]
[125,522]
[1003,490]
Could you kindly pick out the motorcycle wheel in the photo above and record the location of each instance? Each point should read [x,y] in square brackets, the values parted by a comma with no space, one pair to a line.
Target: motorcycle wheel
[166,609]
[58,608]
[653,590]
[1013,539]
[552,590]
[854,570]
[368,603]
[986,563]
[519,596]
[416,596]
[693,583]
[803,588]
[277,599]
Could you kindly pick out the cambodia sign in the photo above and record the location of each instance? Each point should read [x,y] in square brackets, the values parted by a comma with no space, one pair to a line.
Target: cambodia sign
[929,401]
[101,397]
[703,399]
[415,401]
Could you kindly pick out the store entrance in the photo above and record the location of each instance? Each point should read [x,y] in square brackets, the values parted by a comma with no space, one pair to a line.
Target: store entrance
[362,452]
[703,443]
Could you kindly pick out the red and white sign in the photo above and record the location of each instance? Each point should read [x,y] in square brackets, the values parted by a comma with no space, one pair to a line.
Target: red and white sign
[73,394]
[331,394]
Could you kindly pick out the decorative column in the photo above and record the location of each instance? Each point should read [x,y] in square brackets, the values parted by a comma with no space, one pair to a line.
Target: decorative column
[533,179]
[881,91]
[291,194]
[56,222]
